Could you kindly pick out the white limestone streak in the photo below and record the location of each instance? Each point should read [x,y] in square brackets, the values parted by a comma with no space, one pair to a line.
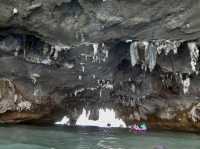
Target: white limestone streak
[68,65]
[17,49]
[106,52]
[193,113]
[36,92]
[57,49]
[83,68]
[24,106]
[100,92]
[80,77]
[185,84]
[133,88]
[78,91]
[15,98]
[34,77]
[15,11]
[152,57]
[129,40]
[95,48]
[194,54]
[94,76]
[95,51]
[108,86]
[46,61]
[92,88]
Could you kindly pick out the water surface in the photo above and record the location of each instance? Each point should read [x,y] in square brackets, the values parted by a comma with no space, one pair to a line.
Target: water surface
[29,137]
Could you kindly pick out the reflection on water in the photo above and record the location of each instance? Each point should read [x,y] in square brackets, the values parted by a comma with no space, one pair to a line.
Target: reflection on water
[27,137]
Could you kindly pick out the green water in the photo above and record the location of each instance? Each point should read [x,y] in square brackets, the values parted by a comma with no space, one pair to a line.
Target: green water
[28,137]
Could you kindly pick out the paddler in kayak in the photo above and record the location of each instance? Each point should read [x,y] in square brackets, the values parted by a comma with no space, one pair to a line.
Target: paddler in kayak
[141,127]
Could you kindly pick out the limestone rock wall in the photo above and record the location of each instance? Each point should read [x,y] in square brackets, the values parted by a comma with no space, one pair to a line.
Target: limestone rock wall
[140,58]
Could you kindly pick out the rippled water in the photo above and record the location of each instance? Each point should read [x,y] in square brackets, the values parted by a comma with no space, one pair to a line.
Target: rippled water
[27,137]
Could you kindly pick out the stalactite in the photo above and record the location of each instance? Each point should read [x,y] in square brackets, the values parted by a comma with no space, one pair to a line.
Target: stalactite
[151,57]
[167,46]
[134,53]
[80,77]
[185,83]
[194,54]
[95,48]
[151,49]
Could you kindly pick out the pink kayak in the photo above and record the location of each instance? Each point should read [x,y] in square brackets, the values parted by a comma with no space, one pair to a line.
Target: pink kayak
[137,128]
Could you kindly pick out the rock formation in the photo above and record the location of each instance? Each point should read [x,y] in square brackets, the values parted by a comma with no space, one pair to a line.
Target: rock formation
[140,58]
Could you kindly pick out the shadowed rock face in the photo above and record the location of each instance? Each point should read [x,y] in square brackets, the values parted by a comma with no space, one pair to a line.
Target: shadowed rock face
[139,58]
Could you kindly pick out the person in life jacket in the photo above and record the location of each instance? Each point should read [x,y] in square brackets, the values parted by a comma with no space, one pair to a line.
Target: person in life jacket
[143,126]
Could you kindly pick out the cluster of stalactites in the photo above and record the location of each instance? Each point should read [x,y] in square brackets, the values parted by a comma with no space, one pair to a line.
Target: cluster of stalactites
[166,46]
[153,48]
[150,54]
